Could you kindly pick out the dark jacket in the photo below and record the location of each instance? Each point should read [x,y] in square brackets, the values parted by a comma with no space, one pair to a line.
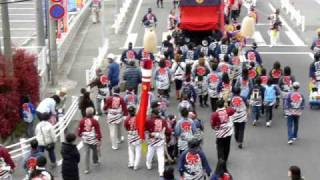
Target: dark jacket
[71,158]
[84,103]
[113,73]
[132,76]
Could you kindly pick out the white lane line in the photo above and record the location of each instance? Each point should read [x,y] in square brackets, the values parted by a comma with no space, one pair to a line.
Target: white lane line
[257,36]
[288,53]
[22,15]
[132,37]
[293,36]
[263,24]
[135,15]
[164,36]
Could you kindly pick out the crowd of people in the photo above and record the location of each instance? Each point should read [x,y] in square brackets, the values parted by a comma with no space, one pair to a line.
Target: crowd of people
[211,75]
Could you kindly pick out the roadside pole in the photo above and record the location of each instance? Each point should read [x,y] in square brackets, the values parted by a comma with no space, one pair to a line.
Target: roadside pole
[40,24]
[53,54]
[7,39]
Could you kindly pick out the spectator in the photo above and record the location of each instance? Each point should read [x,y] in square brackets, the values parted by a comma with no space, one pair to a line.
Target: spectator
[178,70]
[89,131]
[47,107]
[41,172]
[46,137]
[62,93]
[6,164]
[132,76]
[28,115]
[113,71]
[221,171]
[295,173]
[30,162]
[85,101]
[70,158]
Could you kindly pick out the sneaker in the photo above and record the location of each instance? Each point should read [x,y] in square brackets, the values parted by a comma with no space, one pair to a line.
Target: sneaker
[206,105]
[114,148]
[290,142]
[96,164]
[130,166]
[254,123]
[86,171]
[135,168]
[122,139]
[294,139]
[149,167]
[268,124]
[240,146]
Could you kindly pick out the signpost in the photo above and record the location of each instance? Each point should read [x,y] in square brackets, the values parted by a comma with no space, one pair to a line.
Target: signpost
[57,11]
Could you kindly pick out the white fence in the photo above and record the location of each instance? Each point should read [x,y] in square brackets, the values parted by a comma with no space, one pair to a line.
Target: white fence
[295,14]
[120,18]
[21,148]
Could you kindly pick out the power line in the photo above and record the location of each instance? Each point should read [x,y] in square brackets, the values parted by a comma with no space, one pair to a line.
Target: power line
[14,1]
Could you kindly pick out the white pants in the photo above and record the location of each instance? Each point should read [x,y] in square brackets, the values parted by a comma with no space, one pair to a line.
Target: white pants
[160,156]
[115,134]
[134,152]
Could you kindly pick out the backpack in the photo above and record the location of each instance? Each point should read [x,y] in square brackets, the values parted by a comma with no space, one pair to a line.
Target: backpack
[270,94]
[256,97]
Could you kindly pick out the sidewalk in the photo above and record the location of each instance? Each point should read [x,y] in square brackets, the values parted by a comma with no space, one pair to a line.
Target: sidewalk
[79,58]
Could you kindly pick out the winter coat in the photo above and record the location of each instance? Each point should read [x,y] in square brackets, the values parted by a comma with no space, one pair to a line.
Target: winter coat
[70,160]
[45,133]
[132,76]
[84,104]
[113,73]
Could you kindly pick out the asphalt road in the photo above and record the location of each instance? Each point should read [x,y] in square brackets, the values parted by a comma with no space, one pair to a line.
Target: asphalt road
[266,154]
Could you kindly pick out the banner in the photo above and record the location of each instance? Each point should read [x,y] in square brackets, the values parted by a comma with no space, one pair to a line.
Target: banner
[200,2]
[72,6]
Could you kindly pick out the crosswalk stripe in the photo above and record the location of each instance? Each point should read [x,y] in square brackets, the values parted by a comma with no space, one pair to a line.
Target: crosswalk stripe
[259,39]
[294,38]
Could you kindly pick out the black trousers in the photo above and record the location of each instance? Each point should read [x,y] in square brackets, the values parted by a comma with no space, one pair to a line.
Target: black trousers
[239,131]
[203,99]
[223,147]
[269,112]
[160,2]
[213,102]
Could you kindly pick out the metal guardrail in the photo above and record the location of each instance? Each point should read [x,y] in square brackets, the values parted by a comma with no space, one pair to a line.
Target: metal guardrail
[121,16]
[295,14]
[21,148]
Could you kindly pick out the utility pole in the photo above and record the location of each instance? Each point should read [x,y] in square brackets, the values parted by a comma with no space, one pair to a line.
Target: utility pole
[53,54]
[40,24]
[7,39]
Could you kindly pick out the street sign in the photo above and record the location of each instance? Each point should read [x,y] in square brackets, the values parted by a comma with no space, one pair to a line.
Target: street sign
[56,1]
[57,11]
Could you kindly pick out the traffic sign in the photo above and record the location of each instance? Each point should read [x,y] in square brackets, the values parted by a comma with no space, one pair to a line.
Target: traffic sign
[56,1]
[57,11]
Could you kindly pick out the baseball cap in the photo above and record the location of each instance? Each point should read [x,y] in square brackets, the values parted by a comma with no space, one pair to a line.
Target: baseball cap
[296,84]
[111,56]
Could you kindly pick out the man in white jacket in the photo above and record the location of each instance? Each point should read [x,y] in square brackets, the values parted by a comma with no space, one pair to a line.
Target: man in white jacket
[46,138]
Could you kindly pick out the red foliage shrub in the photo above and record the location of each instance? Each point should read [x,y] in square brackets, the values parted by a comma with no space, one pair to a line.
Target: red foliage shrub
[24,83]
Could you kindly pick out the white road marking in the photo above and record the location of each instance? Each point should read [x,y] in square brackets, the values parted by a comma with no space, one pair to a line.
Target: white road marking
[22,15]
[259,39]
[132,37]
[135,15]
[20,37]
[293,36]
[164,36]
[288,53]
[22,8]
